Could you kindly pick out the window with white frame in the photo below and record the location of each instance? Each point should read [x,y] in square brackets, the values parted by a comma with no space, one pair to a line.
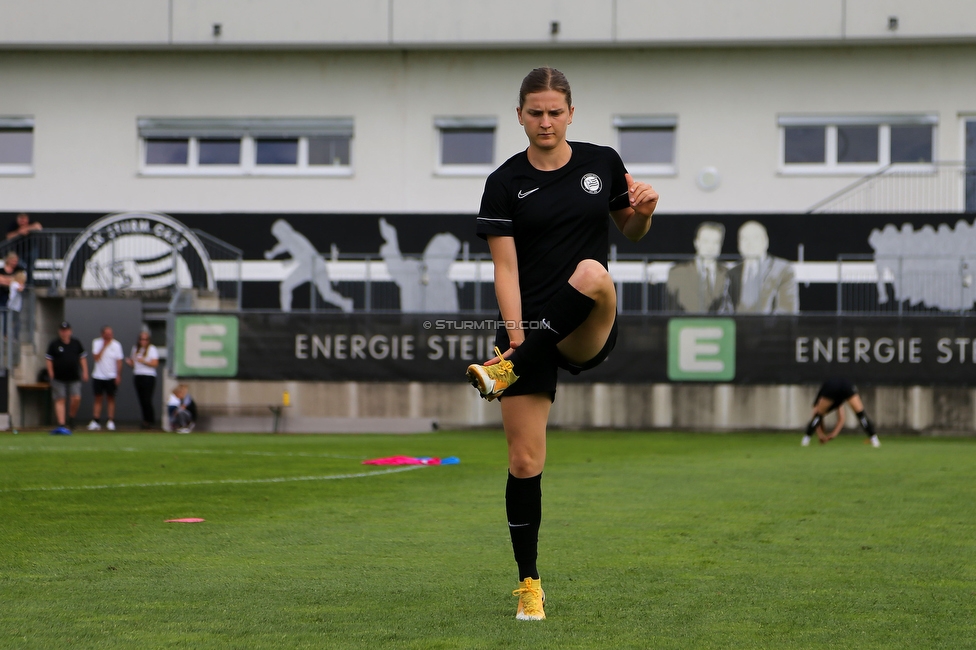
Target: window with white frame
[855,144]
[256,146]
[466,145]
[647,143]
[16,145]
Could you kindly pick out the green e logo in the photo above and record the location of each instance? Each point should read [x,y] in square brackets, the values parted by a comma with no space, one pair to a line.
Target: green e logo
[206,346]
[701,349]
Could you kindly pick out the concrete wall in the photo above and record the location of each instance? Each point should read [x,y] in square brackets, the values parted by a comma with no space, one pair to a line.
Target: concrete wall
[709,407]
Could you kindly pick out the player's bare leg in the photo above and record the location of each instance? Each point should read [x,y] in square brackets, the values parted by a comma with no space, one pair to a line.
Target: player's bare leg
[820,409]
[525,418]
[864,420]
[96,413]
[586,341]
[577,321]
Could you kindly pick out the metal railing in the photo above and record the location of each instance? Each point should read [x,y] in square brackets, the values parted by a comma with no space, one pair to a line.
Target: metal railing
[944,186]
[43,252]
[863,284]
[909,285]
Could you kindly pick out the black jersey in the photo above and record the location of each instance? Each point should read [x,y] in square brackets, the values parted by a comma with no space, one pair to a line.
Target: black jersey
[65,359]
[558,218]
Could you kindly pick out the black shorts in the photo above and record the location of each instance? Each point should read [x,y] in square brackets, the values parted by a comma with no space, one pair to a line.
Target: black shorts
[104,387]
[837,391]
[542,379]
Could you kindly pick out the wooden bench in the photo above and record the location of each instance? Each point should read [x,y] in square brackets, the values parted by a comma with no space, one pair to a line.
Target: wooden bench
[243,410]
[43,390]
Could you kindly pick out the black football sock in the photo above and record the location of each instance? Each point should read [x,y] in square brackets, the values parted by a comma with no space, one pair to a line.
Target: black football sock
[523,504]
[564,312]
[812,427]
[866,422]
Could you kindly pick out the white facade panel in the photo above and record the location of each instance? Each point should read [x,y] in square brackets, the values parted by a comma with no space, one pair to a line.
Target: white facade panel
[948,19]
[77,22]
[504,22]
[721,21]
[419,24]
[290,22]
[727,104]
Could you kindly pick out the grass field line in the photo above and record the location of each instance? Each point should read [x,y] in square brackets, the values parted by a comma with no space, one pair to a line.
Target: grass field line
[228,452]
[227,481]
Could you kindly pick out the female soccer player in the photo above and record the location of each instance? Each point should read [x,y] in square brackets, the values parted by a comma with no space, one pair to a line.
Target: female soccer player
[832,395]
[544,214]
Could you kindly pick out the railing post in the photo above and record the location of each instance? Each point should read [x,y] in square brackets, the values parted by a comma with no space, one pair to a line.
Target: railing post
[644,287]
[311,284]
[477,284]
[54,260]
[368,288]
[898,283]
[962,286]
[840,284]
[240,281]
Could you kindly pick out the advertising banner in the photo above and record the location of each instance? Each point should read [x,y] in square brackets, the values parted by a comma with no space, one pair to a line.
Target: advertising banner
[650,349]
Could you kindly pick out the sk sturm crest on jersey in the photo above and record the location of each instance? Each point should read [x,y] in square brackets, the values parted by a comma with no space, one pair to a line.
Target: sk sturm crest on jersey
[137,251]
[591,183]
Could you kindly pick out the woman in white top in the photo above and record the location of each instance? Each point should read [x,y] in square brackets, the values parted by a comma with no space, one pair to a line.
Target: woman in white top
[143,361]
[15,301]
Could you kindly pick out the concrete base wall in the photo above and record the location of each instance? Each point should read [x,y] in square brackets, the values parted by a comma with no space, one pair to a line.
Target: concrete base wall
[360,406]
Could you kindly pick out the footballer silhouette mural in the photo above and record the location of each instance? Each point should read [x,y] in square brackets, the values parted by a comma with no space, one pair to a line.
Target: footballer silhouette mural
[423,283]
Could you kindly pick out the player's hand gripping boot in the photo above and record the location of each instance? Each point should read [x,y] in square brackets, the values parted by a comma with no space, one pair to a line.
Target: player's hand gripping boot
[492,380]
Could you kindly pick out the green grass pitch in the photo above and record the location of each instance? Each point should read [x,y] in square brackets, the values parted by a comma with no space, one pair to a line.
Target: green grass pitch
[649,540]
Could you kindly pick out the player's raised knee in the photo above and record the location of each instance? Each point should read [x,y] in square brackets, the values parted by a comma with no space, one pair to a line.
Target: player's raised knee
[591,277]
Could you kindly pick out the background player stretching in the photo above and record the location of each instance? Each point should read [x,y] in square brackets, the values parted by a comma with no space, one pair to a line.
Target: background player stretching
[832,395]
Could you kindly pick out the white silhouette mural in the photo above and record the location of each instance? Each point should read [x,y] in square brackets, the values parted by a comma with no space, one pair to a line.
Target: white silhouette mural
[424,284]
[309,266]
[927,267]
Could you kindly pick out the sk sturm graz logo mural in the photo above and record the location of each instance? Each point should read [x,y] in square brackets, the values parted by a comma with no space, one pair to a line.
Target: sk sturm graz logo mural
[136,251]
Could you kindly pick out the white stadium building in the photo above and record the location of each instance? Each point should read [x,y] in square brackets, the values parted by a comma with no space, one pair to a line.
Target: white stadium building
[402,107]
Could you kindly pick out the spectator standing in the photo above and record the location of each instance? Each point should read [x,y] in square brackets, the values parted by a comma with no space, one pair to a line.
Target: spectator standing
[15,302]
[17,232]
[182,410]
[106,376]
[67,366]
[144,360]
[22,226]
[11,264]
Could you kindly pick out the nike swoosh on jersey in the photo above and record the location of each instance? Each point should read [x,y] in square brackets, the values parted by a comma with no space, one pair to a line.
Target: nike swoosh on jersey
[522,194]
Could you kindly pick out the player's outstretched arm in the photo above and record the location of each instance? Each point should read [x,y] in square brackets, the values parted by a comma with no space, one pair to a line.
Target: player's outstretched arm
[635,221]
[507,289]
[841,418]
